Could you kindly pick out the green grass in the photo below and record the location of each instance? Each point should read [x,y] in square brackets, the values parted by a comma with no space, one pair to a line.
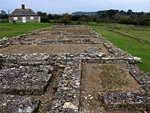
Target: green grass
[10,30]
[132,46]
[86,23]
[142,32]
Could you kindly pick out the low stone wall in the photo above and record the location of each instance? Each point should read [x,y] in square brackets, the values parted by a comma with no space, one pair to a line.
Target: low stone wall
[45,59]
[67,96]
[127,35]
[142,77]
[126,101]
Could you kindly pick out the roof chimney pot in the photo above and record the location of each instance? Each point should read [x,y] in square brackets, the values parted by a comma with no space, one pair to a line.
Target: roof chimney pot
[23,6]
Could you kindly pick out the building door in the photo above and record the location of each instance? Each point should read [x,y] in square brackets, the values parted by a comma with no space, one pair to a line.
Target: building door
[24,19]
[39,19]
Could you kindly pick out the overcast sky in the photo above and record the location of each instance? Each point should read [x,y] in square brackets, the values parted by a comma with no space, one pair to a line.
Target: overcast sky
[69,6]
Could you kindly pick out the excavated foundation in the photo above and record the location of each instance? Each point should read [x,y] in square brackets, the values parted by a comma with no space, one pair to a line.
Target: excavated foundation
[69,69]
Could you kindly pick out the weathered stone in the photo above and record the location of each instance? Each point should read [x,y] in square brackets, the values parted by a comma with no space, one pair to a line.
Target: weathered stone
[29,74]
[17,104]
[137,59]
[126,101]
[92,50]
[67,96]
[25,80]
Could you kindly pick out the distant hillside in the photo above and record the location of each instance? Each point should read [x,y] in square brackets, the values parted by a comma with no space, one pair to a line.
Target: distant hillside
[89,13]
[101,12]
[84,13]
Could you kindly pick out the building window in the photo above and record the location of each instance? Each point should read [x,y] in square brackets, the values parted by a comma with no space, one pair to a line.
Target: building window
[15,18]
[32,18]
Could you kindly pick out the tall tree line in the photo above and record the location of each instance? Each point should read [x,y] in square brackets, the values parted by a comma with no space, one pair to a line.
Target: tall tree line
[107,16]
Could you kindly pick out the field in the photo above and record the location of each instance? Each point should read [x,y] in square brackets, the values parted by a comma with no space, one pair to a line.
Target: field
[141,32]
[10,30]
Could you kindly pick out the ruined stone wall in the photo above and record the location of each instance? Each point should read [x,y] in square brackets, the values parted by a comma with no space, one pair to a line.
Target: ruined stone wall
[28,75]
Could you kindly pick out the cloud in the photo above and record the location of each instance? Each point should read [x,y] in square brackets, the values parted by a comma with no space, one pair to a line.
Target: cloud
[63,6]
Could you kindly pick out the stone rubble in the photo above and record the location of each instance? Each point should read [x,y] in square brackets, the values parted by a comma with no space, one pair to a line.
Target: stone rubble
[126,101]
[18,104]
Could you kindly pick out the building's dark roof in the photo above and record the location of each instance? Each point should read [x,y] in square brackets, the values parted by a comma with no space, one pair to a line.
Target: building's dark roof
[23,12]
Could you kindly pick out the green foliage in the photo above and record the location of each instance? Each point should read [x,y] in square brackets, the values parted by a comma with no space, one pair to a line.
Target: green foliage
[107,16]
[45,19]
[134,22]
[129,12]
[101,12]
[3,15]
[112,12]
[65,19]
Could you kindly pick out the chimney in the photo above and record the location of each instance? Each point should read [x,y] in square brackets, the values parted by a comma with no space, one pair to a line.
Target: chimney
[23,6]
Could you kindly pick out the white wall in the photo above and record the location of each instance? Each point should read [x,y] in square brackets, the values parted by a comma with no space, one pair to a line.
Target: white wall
[39,19]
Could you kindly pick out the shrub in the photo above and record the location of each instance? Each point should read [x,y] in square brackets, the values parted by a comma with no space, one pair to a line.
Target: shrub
[44,19]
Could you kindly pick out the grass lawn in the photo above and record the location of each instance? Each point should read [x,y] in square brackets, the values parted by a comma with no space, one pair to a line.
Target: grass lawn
[10,30]
[142,32]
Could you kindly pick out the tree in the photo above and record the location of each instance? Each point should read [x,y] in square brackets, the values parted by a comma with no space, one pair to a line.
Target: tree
[104,15]
[112,12]
[50,16]
[75,17]
[3,12]
[129,12]
[3,15]
[66,18]
[39,13]
[123,12]
[44,14]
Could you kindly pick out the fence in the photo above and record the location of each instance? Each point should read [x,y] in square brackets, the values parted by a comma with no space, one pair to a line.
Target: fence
[4,21]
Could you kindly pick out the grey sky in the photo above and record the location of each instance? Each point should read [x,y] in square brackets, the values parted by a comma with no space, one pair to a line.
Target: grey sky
[69,6]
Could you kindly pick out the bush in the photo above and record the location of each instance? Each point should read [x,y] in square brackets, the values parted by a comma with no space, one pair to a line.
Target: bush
[65,19]
[134,22]
[144,23]
[129,21]
[44,19]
